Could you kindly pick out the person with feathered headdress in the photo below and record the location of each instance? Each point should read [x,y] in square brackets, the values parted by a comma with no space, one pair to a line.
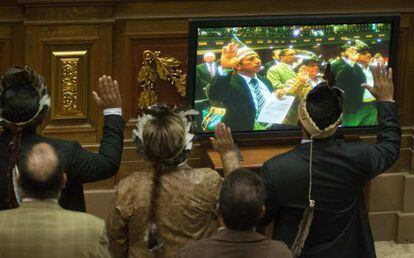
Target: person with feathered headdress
[315,191]
[159,208]
[24,105]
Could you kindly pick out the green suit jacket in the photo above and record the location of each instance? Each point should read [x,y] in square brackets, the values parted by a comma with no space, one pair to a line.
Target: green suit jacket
[349,79]
[203,77]
[43,229]
[279,74]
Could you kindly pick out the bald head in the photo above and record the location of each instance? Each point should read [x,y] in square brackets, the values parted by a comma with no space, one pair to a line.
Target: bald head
[41,175]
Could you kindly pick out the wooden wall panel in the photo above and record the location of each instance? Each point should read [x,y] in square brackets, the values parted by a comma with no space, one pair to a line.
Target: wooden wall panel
[89,45]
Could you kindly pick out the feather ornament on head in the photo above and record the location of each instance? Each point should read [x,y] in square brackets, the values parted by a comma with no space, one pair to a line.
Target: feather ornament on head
[159,110]
[24,77]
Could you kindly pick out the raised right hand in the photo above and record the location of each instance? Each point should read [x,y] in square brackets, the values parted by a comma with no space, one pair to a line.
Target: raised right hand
[222,141]
[109,96]
[383,88]
[229,56]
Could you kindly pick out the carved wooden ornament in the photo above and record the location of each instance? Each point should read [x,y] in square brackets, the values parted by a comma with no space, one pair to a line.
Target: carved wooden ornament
[167,69]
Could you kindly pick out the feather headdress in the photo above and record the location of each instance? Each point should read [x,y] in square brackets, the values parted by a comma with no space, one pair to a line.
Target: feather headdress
[159,110]
[24,78]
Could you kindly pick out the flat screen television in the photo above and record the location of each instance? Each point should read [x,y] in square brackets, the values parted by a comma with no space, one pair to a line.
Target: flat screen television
[251,72]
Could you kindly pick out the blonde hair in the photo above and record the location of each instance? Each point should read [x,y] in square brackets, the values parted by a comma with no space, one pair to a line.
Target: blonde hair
[163,140]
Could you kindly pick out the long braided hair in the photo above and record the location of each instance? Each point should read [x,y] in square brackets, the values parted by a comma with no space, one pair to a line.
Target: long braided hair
[24,103]
[163,136]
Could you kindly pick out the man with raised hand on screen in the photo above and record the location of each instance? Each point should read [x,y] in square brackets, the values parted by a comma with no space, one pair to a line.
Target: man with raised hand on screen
[40,227]
[325,178]
[242,92]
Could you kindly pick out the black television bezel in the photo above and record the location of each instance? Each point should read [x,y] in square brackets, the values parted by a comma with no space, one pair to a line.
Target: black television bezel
[219,22]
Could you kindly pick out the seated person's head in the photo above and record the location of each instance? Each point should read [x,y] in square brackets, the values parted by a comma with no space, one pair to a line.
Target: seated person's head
[209,57]
[40,173]
[164,137]
[287,56]
[22,90]
[324,108]
[241,201]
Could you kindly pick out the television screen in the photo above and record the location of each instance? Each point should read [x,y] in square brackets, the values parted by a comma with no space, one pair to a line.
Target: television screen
[251,73]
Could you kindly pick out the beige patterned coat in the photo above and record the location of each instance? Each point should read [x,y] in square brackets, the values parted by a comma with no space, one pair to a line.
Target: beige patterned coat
[186,211]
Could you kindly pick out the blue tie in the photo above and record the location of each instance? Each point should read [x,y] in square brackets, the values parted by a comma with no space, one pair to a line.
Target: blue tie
[259,96]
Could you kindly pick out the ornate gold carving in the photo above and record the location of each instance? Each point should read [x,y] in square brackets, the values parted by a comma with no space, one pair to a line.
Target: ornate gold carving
[167,68]
[69,84]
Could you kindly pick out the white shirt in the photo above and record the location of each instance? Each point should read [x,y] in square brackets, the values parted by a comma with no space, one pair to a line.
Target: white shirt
[263,89]
[112,111]
[370,81]
[351,63]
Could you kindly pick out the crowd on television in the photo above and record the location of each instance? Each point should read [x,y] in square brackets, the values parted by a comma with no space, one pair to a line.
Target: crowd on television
[307,202]
[291,72]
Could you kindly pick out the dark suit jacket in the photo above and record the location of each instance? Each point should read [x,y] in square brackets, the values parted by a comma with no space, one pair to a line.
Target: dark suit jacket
[203,77]
[349,79]
[81,166]
[234,94]
[236,244]
[340,170]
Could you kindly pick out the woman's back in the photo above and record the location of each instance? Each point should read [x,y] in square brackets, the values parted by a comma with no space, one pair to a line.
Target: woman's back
[185,210]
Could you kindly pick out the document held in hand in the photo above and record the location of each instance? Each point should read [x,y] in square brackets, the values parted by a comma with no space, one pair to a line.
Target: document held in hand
[275,109]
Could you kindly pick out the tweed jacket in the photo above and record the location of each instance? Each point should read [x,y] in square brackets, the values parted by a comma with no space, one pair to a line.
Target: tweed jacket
[80,165]
[186,211]
[236,244]
[340,227]
[42,229]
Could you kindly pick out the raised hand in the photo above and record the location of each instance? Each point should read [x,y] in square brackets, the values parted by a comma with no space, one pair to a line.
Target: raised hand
[222,141]
[383,88]
[229,56]
[109,96]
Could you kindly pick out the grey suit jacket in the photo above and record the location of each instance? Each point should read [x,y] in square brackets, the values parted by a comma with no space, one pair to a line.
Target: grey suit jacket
[236,244]
[43,229]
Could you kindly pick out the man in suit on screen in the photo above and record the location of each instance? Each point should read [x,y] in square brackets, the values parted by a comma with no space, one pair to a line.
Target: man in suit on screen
[242,92]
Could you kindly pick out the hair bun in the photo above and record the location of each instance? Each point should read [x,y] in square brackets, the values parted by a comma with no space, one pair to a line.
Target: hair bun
[159,110]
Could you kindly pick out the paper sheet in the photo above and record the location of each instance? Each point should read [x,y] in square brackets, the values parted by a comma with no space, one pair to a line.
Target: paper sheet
[275,109]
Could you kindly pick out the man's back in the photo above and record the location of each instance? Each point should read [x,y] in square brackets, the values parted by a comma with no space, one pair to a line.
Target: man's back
[43,229]
[236,244]
[339,171]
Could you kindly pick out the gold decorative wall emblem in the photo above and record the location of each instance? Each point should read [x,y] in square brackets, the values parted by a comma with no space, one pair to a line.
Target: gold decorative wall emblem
[69,84]
[167,68]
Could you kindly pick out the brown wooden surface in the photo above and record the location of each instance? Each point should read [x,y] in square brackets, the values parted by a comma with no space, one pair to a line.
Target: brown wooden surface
[253,157]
